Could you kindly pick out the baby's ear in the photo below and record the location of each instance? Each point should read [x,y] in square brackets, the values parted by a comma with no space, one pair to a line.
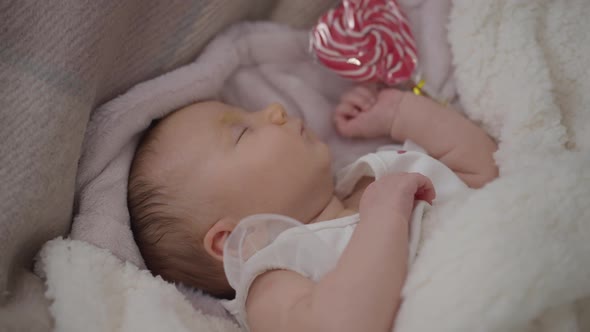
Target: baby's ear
[216,236]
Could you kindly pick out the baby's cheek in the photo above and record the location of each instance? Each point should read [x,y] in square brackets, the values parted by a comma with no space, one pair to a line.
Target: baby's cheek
[278,148]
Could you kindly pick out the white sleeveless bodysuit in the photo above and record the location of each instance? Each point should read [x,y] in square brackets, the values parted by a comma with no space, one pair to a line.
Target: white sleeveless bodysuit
[261,243]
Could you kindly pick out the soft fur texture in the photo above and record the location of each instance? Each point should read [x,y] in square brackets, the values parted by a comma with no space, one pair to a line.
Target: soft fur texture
[512,256]
[110,295]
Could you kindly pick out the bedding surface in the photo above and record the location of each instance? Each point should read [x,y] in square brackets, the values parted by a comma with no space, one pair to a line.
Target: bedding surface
[512,256]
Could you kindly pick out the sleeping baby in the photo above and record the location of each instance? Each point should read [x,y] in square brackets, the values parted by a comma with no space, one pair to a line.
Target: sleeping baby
[322,253]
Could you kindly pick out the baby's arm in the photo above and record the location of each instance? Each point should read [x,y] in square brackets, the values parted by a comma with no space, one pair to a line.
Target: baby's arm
[362,293]
[446,135]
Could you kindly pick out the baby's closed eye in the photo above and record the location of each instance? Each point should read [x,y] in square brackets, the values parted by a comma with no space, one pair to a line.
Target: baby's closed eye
[238,131]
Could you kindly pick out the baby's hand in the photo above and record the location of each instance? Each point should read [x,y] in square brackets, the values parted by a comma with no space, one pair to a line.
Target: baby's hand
[356,100]
[395,194]
[367,122]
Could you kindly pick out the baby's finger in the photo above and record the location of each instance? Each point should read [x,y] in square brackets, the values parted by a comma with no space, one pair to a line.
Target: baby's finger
[347,127]
[346,109]
[425,189]
[358,99]
[339,123]
[367,93]
[425,194]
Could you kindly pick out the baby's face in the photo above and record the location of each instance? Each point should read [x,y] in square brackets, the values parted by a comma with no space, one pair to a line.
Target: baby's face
[239,163]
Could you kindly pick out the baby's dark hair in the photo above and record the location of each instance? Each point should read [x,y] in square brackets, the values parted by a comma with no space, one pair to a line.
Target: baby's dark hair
[168,243]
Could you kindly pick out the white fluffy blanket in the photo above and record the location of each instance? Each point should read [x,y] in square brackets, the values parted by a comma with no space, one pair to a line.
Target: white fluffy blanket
[513,256]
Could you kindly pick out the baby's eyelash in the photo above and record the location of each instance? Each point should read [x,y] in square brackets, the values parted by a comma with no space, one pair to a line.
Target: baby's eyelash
[242,133]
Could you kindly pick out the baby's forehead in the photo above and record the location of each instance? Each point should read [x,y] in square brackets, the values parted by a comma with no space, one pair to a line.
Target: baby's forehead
[190,131]
[208,113]
[200,119]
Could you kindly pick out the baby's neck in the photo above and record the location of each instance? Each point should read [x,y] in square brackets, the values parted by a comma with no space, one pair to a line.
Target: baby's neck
[335,209]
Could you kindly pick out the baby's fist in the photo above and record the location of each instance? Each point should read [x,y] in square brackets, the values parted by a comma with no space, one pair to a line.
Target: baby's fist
[374,121]
[395,194]
[358,99]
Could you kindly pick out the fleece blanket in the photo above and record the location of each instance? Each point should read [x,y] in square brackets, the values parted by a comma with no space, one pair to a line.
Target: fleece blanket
[514,255]
[510,257]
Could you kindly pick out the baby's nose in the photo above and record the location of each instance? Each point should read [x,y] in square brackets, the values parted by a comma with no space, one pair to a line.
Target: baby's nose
[276,114]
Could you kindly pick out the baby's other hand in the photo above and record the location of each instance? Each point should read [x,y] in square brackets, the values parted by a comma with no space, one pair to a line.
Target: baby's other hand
[374,121]
[359,99]
[395,194]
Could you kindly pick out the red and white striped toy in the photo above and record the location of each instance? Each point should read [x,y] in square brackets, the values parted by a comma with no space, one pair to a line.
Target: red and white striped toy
[366,40]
